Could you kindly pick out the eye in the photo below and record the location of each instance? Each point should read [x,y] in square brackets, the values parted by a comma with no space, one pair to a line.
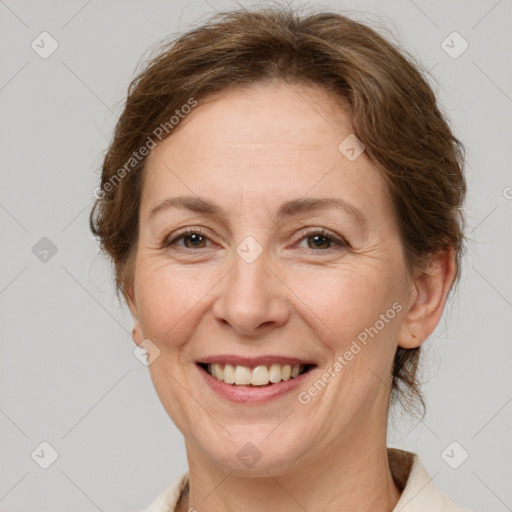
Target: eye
[317,240]
[193,238]
[323,240]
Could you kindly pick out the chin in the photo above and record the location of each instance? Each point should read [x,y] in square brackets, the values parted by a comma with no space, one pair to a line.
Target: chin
[254,453]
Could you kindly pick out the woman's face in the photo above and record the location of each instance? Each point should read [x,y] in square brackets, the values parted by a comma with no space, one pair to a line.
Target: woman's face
[305,284]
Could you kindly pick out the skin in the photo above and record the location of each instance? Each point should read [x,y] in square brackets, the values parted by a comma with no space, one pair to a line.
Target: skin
[249,151]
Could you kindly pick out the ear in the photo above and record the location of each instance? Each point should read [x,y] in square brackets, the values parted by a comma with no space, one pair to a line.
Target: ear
[137,334]
[429,292]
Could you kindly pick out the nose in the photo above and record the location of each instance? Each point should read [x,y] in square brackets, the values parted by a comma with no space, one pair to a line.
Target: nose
[252,300]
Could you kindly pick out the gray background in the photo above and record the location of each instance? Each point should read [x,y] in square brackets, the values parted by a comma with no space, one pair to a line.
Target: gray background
[68,373]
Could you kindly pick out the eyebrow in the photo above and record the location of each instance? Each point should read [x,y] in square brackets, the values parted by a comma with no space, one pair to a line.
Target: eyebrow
[287,209]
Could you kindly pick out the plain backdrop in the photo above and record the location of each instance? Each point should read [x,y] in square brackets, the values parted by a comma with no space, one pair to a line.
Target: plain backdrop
[69,377]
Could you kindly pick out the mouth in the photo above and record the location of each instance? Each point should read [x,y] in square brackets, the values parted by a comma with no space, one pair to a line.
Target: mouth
[261,375]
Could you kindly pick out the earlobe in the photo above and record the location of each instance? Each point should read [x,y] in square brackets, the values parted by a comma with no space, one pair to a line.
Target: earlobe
[429,292]
[137,334]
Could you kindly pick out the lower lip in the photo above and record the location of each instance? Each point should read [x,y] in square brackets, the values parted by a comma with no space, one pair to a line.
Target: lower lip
[252,394]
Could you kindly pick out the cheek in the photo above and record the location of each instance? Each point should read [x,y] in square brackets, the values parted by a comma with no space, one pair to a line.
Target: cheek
[357,314]
[335,305]
[170,298]
[346,300]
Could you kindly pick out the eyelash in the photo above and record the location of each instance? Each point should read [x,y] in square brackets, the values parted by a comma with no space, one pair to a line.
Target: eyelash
[342,244]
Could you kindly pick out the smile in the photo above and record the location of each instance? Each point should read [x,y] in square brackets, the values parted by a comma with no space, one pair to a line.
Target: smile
[261,375]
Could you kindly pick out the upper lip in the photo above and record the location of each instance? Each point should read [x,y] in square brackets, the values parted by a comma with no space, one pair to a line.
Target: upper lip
[253,361]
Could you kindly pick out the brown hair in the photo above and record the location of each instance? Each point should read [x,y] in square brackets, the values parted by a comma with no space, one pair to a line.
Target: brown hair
[392,107]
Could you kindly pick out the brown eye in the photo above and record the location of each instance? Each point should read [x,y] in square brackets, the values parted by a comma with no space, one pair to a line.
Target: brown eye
[319,242]
[192,239]
[196,240]
[323,241]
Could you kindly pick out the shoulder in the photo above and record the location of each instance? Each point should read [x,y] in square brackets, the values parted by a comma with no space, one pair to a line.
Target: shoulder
[419,493]
[167,500]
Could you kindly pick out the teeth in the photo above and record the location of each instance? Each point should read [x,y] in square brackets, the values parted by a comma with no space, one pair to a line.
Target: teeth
[242,375]
[275,373]
[258,376]
[216,371]
[229,373]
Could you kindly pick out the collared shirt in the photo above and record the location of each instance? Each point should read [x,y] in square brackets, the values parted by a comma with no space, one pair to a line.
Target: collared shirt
[419,492]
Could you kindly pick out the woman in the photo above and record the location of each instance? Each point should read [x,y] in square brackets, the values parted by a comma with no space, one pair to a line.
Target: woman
[281,200]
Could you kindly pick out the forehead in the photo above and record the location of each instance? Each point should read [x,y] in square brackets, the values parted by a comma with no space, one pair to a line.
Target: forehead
[267,120]
[265,144]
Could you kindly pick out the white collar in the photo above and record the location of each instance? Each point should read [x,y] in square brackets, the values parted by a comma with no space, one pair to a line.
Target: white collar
[419,494]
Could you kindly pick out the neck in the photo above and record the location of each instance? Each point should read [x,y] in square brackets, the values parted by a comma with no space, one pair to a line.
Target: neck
[358,478]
